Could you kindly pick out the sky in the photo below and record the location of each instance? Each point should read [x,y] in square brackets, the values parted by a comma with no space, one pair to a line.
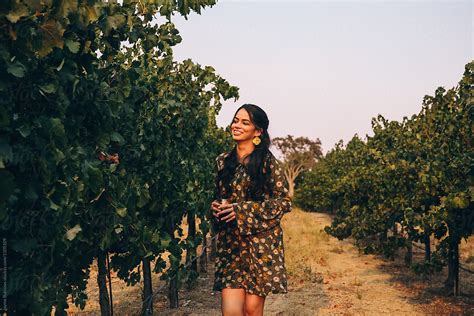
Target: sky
[323,69]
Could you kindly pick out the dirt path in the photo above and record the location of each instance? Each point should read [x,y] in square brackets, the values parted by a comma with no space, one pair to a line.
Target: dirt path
[354,283]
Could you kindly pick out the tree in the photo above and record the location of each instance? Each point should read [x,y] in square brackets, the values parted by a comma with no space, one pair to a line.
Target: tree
[299,154]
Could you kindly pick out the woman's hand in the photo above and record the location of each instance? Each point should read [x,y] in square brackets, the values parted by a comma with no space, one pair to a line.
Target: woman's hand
[215,209]
[227,212]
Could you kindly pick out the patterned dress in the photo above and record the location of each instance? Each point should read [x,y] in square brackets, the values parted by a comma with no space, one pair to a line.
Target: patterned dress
[250,251]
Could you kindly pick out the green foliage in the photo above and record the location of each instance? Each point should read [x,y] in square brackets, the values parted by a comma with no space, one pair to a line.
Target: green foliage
[411,179]
[70,94]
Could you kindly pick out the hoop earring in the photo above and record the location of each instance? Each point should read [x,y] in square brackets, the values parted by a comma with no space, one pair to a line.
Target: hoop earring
[256,140]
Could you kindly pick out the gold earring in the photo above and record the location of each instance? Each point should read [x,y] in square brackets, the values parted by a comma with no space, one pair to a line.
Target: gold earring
[256,140]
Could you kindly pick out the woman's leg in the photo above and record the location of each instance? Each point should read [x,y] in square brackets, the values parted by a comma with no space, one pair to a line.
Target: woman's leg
[254,305]
[233,302]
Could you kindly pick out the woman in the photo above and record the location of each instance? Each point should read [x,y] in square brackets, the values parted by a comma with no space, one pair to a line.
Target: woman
[253,190]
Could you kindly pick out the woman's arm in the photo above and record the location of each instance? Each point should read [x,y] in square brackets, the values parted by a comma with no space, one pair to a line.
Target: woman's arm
[257,216]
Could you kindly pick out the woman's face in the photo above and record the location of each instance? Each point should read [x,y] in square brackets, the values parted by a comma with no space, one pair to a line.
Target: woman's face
[242,127]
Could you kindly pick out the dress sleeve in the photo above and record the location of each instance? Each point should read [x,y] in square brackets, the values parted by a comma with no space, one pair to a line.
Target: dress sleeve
[257,216]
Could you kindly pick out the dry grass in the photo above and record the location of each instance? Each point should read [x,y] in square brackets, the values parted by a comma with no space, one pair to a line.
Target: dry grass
[466,252]
[303,238]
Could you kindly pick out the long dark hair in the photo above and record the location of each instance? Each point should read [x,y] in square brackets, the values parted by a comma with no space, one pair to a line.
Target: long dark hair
[258,159]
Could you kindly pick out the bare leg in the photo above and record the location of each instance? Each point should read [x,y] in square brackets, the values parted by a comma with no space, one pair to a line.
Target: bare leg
[254,305]
[233,302]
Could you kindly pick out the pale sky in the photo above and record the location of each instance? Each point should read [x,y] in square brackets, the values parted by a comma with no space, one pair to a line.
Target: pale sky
[323,69]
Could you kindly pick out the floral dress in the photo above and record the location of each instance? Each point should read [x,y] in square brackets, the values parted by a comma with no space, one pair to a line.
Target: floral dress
[250,251]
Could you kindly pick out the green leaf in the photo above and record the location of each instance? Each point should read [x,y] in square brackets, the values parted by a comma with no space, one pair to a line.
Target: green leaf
[71,233]
[460,201]
[142,201]
[95,181]
[73,46]
[48,88]
[116,137]
[17,69]
[57,127]
[121,211]
[155,237]
[53,205]
[24,130]
[165,241]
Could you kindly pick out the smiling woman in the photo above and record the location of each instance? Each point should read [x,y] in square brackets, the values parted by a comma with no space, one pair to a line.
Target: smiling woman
[250,200]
